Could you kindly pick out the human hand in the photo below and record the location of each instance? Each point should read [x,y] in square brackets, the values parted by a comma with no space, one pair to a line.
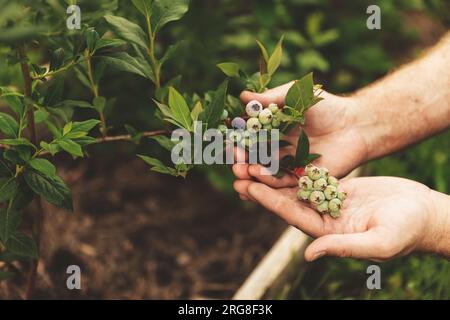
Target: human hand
[329,128]
[376,222]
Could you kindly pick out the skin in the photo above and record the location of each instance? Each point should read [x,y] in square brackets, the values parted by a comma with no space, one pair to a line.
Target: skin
[376,223]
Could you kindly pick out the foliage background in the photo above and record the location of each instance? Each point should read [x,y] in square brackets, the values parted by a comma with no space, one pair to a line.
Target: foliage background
[330,38]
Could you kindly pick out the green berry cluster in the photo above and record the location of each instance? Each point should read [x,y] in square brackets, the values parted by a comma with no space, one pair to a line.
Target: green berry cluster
[321,190]
[260,118]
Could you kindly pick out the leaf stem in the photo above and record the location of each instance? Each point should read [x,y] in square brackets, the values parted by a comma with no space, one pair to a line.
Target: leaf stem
[151,52]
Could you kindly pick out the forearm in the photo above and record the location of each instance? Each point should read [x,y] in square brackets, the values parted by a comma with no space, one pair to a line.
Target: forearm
[437,236]
[407,105]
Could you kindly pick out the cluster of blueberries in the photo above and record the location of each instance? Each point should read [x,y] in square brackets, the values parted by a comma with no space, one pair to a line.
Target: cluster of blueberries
[321,190]
[257,118]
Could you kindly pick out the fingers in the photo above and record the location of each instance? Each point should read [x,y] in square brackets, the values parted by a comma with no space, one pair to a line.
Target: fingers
[240,170]
[366,245]
[284,203]
[275,95]
[263,175]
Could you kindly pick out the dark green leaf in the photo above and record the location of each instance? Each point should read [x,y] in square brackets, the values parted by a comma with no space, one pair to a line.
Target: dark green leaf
[91,39]
[302,152]
[213,111]
[54,92]
[9,222]
[22,245]
[51,188]
[8,125]
[127,30]
[300,95]
[14,100]
[122,61]
[165,11]
[8,187]
[84,126]
[57,59]
[17,142]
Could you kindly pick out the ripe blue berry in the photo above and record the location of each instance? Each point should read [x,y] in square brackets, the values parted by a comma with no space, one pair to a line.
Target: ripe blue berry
[224,115]
[253,125]
[317,197]
[238,123]
[253,108]
[320,184]
[305,183]
[265,116]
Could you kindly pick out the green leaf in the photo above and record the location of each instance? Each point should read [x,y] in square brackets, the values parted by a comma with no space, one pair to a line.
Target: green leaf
[302,152]
[104,44]
[41,115]
[51,188]
[264,52]
[54,92]
[127,30]
[144,6]
[198,108]
[8,125]
[71,147]
[158,166]
[67,128]
[170,53]
[179,109]
[85,126]
[43,165]
[165,11]
[4,167]
[122,61]
[9,222]
[300,95]
[22,245]
[213,111]
[14,100]
[91,39]
[275,58]
[75,104]
[99,104]
[8,187]
[17,142]
[57,59]
[230,69]
[164,142]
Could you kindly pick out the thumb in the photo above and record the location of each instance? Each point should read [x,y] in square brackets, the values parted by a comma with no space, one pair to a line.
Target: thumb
[366,245]
[274,95]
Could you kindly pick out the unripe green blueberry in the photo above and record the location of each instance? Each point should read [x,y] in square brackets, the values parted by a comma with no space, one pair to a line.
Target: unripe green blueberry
[222,128]
[247,142]
[333,181]
[235,136]
[330,192]
[323,207]
[253,125]
[335,214]
[273,107]
[320,184]
[342,196]
[335,204]
[324,173]
[224,115]
[305,183]
[303,194]
[265,116]
[317,197]
[253,108]
[312,171]
[275,122]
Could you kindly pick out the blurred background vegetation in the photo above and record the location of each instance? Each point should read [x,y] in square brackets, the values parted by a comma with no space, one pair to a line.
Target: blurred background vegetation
[328,37]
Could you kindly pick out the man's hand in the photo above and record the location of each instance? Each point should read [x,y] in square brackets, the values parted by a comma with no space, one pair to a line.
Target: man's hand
[328,126]
[382,217]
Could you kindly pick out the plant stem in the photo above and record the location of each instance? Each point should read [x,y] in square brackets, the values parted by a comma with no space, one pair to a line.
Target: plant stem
[94,89]
[38,217]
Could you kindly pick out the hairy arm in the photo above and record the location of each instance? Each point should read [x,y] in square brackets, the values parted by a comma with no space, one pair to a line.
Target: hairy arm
[406,106]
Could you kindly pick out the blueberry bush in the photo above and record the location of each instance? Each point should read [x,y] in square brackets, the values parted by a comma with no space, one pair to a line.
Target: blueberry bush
[41,116]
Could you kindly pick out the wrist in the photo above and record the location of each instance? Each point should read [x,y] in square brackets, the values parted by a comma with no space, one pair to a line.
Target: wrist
[436,237]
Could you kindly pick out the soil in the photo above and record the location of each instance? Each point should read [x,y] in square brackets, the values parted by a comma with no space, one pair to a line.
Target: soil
[142,235]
